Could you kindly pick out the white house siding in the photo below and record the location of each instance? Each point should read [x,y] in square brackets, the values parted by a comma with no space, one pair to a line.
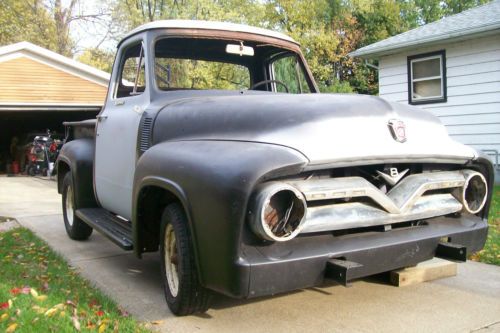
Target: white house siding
[472,112]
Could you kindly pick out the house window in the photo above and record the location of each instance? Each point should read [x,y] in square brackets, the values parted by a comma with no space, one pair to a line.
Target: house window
[427,78]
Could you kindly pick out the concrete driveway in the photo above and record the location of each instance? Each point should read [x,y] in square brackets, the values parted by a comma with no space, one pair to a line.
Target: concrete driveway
[469,302]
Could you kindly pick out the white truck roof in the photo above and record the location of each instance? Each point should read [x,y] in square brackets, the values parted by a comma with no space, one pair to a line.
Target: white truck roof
[209,25]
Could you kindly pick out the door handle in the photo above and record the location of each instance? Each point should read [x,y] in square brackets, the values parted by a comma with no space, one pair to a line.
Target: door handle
[101,118]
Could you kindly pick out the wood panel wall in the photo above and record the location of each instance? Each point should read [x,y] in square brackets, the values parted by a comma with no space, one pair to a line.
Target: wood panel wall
[24,80]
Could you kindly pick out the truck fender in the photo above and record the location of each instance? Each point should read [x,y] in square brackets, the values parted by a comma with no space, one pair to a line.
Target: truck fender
[78,157]
[213,180]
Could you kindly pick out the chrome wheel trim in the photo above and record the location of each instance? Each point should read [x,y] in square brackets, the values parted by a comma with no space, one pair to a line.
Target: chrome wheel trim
[69,206]
[171,260]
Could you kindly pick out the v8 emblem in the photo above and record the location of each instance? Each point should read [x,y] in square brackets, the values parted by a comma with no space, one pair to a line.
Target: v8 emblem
[393,177]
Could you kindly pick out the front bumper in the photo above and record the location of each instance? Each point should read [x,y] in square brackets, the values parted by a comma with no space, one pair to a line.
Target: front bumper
[301,263]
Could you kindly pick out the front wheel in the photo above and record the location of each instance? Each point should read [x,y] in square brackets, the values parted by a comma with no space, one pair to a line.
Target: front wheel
[75,228]
[183,291]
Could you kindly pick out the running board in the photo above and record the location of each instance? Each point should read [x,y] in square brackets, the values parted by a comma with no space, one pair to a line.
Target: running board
[117,230]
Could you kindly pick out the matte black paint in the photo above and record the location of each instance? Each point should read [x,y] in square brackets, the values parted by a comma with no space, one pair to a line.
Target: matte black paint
[214,180]
[79,156]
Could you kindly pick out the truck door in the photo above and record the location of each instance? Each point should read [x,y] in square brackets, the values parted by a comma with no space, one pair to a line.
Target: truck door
[117,130]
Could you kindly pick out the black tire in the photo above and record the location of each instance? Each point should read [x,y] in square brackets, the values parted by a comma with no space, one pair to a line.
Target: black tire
[191,297]
[78,230]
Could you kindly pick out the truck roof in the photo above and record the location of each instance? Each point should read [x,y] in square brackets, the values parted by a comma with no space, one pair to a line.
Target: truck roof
[208,25]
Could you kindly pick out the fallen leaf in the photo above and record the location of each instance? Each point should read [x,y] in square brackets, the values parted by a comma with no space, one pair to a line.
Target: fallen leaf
[25,290]
[76,323]
[41,298]
[59,306]
[93,303]
[38,309]
[50,312]
[62,314]
[11,328]
[102,327]
[123,312]
[4,306]
[18,312]
[4,317]
[90,325]
[157,322]
[69,302]
[100,313]
[15,291]
[33,293]
[10,303]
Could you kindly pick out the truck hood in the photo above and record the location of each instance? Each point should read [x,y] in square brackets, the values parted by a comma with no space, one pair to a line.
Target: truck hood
[326,128]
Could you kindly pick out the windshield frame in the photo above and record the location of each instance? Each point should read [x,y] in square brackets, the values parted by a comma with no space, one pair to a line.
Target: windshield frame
[153,36]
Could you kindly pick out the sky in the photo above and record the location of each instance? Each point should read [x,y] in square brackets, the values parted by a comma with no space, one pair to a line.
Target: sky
[89,32]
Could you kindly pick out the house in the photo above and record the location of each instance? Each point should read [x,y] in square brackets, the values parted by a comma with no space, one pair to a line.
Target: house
[451,68]
[39,89]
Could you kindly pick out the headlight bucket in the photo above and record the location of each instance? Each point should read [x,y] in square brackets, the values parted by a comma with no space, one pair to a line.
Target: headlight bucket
[278,212]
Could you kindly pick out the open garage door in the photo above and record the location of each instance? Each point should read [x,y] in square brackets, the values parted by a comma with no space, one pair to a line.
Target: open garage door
[20,126]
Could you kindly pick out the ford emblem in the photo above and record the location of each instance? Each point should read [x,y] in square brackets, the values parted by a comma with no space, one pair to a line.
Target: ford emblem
[398,130]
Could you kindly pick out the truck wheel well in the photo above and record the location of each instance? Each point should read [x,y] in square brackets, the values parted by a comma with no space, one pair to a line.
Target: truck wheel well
[62,169]
[152,202]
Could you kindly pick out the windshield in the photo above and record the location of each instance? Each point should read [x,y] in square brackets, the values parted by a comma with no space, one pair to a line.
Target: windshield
[197,63]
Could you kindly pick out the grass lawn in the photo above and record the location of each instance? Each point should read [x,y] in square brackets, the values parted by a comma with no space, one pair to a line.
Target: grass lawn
[39,292]
[491,252]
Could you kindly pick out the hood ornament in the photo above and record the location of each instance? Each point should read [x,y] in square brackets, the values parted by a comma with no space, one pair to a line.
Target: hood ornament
[398,130]
[393,177]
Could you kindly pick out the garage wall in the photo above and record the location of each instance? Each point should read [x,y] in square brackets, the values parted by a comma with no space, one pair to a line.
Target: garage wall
[26,80]
[472,112]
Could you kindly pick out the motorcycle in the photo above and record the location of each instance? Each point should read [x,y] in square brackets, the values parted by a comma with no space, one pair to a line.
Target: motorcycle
[42,154]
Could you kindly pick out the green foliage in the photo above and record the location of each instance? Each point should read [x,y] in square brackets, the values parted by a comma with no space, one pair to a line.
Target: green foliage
[100,59]
[337,87]
[491,252]
[27,21]
[328,30]
[40,293]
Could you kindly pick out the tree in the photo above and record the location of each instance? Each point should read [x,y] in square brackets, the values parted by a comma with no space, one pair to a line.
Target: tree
[26,21]
[100,59]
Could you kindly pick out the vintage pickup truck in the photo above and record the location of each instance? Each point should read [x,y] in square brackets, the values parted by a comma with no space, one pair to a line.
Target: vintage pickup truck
[215,147]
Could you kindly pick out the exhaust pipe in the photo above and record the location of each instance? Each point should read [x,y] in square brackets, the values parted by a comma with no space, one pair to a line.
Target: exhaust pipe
[278,213]
[473,194]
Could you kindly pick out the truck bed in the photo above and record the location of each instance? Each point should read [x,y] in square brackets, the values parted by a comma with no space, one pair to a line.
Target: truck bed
[80,129]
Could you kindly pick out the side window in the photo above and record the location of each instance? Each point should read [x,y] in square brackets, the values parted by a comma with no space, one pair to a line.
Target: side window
[427,78]
[289,71]
[132,79]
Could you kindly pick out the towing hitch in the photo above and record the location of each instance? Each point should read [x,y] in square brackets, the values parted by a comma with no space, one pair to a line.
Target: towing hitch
[341,270]
[451,251]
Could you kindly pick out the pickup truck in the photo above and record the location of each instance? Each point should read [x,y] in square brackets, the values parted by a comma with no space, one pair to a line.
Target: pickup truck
[215,148]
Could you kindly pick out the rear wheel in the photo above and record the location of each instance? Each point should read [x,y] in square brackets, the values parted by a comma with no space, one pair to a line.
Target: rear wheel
[75,228]
[183,292]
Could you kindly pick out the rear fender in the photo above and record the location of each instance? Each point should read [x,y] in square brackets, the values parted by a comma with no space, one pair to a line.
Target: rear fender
[78,155]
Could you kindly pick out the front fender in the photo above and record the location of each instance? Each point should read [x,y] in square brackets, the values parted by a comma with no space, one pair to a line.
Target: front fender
[214,180]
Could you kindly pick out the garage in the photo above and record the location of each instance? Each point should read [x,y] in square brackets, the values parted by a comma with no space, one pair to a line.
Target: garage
[39,89]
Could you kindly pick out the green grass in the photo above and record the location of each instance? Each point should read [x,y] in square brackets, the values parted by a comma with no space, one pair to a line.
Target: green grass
[39,292]
[491,252]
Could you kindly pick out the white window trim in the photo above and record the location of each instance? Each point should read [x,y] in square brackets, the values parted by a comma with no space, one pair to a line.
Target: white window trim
[440,77]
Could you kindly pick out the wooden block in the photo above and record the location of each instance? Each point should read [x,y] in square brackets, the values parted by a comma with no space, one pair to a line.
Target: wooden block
[425,271]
